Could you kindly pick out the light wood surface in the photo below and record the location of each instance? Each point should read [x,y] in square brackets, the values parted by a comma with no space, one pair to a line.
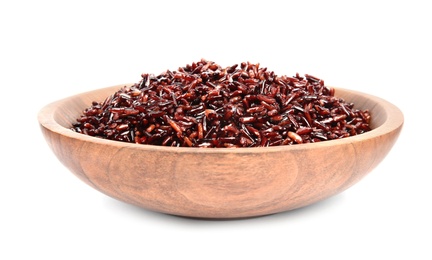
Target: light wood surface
[219,182]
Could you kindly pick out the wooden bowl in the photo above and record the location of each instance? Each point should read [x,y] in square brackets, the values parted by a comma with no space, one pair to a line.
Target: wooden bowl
[219,182]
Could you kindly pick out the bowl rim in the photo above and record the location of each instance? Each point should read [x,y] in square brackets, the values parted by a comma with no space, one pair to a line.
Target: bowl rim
[394,120]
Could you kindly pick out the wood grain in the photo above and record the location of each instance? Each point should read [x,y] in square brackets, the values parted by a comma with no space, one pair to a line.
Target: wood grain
[218,182]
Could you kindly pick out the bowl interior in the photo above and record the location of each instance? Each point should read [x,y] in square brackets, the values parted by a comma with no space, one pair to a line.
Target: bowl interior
[71,108]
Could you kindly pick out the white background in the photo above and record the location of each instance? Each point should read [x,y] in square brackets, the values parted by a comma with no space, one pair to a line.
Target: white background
[54,49]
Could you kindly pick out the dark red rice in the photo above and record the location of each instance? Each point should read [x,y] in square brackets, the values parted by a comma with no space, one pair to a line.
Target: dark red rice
[205,105]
